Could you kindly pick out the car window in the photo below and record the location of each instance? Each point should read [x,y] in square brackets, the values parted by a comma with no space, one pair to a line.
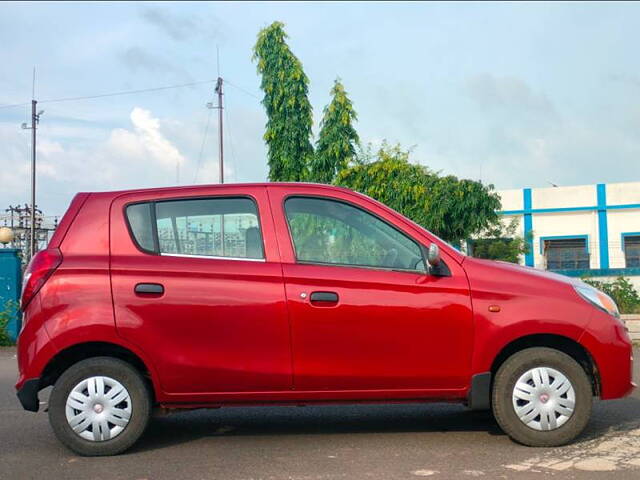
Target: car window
[139,216]
[214,227]
[333,232]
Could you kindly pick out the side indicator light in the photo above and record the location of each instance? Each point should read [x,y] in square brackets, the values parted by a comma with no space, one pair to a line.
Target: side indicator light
[494,308]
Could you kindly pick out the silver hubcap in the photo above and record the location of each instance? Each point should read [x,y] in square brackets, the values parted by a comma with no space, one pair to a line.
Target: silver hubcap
[98,408]
[544,398]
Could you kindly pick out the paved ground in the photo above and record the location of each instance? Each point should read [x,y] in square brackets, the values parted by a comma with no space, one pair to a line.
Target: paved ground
[314,443]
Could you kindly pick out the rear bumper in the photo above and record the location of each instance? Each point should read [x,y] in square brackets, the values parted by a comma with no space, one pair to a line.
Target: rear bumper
[28,394]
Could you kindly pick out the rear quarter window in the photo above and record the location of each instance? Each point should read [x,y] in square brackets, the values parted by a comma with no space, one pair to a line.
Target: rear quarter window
[141,223]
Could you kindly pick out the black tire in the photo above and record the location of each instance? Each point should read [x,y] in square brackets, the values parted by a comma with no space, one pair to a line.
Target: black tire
[502,402]
[123,373]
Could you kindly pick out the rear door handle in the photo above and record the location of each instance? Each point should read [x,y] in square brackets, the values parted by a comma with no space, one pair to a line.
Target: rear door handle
[149,288]
[324,297]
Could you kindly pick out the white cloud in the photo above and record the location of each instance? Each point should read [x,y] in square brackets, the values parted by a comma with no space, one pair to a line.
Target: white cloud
[48,148]
[137,157]
[145,141]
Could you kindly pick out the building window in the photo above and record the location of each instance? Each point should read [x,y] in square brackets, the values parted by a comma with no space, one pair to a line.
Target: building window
[631,245]
[566,253]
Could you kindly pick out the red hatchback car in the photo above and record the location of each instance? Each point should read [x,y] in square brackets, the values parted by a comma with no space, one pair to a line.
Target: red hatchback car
[264,294]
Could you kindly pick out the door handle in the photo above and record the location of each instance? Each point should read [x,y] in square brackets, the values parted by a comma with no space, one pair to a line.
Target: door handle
[324,297]
[149,288]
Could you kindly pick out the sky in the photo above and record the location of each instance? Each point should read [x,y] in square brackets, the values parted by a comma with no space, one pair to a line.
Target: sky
[513,94]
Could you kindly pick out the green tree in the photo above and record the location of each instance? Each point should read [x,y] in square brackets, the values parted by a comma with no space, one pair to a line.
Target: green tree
[289,113]
[501,242]
[451,208]
[8,312]
[336,146]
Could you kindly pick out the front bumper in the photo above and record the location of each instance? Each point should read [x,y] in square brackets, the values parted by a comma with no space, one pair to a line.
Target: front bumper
[28,395]
[610,347]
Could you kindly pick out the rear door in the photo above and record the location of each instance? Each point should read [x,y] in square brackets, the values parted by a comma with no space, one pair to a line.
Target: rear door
[197,284]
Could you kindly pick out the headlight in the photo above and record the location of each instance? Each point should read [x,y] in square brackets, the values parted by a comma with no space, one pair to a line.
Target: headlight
[598,298]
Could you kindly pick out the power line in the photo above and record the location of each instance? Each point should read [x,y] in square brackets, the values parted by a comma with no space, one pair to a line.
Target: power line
[126,92]
[112,94]
[243,90]
[131,92]
[204,139]
[15,105]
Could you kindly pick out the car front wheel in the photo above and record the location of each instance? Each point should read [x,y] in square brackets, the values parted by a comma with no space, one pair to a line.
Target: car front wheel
[542,397]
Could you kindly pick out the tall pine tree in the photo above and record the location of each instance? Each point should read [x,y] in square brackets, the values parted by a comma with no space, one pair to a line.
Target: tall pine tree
[289,113]
[336,145]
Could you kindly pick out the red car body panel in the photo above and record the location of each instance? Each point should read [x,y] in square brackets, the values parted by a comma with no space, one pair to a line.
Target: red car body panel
[543,303]
[352,345]
[245,332]
[609,345]
[220,326]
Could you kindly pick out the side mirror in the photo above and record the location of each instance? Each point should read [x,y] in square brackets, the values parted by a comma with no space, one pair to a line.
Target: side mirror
[433,255]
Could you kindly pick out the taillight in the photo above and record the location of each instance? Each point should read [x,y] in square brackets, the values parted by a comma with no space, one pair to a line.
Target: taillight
[40,268]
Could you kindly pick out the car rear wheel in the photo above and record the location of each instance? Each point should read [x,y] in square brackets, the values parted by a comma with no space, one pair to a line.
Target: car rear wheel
[542,397]
[99,406]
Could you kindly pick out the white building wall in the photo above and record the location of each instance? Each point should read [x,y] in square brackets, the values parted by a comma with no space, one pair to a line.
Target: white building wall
[623,193]
[511,199]
[556,197]
[575,211]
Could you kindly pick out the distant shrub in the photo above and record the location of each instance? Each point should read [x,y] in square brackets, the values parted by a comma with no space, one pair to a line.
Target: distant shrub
[622,292]
[6,314]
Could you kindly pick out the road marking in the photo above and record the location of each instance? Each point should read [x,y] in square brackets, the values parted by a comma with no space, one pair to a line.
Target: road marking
[424,473]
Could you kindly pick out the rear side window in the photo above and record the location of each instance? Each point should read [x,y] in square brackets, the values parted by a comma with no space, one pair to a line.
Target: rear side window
[210,227]
[139,216]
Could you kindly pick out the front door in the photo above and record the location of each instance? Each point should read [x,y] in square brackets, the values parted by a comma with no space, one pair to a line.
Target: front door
[197,285]
[365,314]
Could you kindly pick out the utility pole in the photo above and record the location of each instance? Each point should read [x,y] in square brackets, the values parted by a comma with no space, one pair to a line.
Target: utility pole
[220,139]
[218,90]
[32,237]
[35,119]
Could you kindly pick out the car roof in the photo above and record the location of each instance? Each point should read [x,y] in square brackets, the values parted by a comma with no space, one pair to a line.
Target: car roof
[178,188]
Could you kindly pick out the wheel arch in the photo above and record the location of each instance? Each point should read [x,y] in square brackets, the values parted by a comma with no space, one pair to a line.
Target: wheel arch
[558,342]
[67,357]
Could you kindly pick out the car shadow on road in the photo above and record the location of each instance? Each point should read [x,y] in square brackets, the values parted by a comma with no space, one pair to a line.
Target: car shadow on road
[184,427]
[609,416]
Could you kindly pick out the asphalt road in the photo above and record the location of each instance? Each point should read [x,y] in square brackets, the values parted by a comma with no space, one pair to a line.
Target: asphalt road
[314,443]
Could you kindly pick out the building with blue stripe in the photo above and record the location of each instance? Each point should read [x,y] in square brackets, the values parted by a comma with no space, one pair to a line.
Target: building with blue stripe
[585,230]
